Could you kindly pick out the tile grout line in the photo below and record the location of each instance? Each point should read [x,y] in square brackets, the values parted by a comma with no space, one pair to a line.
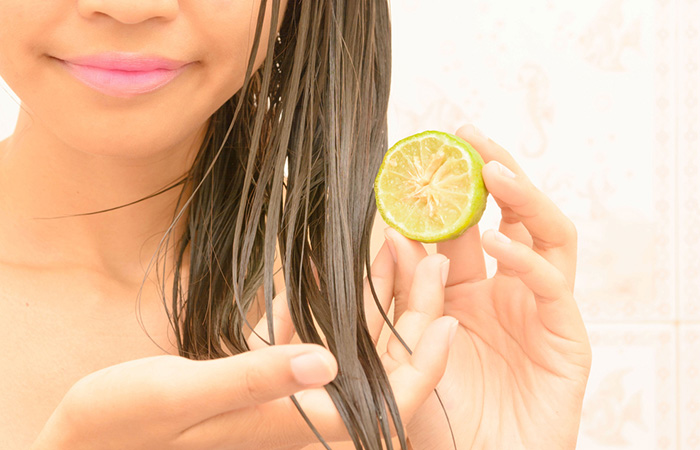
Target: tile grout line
[676,213]
[674,323]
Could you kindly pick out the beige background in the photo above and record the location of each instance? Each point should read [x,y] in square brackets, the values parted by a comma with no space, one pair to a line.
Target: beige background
[598,100]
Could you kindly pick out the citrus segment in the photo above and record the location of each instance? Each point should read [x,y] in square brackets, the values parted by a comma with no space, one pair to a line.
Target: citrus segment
[429,187]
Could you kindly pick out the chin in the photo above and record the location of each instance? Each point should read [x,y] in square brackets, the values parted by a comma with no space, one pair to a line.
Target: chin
[143,143]
[131,135]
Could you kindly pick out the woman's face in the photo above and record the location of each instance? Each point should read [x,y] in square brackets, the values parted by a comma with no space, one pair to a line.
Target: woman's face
[128,78]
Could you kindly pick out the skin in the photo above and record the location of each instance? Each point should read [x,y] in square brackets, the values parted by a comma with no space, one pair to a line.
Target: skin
[80,372]
[520,359]
[77,150]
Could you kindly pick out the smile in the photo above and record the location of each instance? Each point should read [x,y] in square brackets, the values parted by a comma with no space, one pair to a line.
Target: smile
[123,75]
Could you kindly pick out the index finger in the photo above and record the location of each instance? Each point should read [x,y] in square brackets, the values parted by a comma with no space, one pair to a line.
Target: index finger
[488,149]
[212,387]
[553,234]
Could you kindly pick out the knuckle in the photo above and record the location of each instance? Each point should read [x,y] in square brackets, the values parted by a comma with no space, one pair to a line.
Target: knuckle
[509,216]
[570,230]
[525,260]
[526,269]
[558,287]
[529,205]
[545,244]
[531,193]
[257,385]
[560,282]
[395,355]
[567,233]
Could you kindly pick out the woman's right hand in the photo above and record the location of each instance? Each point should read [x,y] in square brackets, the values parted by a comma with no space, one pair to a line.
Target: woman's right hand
[169,402]
[241,401]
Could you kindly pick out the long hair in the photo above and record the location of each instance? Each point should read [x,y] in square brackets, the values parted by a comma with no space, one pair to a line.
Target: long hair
[317,105]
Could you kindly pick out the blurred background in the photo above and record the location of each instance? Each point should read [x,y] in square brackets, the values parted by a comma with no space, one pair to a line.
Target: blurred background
[598,101]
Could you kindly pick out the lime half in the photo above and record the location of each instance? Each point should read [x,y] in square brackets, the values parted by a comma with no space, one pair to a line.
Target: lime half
[429,187]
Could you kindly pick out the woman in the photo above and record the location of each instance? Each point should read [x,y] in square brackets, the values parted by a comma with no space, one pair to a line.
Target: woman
[148,163]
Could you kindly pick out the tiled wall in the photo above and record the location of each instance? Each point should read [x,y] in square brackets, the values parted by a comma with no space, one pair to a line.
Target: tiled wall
[598,100]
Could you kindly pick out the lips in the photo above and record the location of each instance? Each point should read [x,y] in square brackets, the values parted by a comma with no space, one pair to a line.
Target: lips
[124,74]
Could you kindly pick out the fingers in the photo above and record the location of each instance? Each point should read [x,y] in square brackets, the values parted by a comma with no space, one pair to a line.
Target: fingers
[213,387]
[282,325]
[425,304]
[412,383]
[556,306]
[168,394]
[466,255]
[383,280]
[488,149]
[553,234]
[408,254]
[543,219]
[512,227]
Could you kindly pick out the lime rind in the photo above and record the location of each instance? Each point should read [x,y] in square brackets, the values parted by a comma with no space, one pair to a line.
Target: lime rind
[474,192]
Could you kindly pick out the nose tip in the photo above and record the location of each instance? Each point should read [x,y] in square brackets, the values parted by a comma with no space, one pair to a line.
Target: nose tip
[130,11]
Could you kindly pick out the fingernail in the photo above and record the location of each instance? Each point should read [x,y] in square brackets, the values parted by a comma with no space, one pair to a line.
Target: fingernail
[504,171]
[390,244]
[311,369]
[500,237]
[473,129]
[453,331]
[444,271]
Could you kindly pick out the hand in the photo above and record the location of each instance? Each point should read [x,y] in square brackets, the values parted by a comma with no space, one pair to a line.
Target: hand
[239,402]
[520,361]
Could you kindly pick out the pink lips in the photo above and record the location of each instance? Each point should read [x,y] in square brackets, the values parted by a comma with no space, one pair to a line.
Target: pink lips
[124,74]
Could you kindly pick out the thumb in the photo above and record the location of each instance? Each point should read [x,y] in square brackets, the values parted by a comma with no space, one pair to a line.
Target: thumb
[216,386]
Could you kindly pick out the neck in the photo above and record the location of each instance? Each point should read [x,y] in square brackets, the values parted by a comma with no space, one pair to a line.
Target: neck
[47,187]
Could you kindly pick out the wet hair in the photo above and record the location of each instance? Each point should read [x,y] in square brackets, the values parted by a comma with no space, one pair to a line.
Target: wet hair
[317,105]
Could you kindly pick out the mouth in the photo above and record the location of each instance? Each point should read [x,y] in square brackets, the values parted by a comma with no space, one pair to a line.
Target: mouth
[123,74]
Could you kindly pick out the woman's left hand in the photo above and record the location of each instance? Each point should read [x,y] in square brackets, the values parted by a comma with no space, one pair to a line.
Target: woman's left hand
[520,361]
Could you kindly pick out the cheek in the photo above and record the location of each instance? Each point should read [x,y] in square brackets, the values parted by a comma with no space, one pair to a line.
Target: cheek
[229,32]
[220,34]
[16,16]
[23,26]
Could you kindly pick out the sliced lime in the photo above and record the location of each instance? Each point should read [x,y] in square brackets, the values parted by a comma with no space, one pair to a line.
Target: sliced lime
[429,187]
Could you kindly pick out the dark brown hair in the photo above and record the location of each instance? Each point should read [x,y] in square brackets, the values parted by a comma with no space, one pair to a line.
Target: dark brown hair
[317,104]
